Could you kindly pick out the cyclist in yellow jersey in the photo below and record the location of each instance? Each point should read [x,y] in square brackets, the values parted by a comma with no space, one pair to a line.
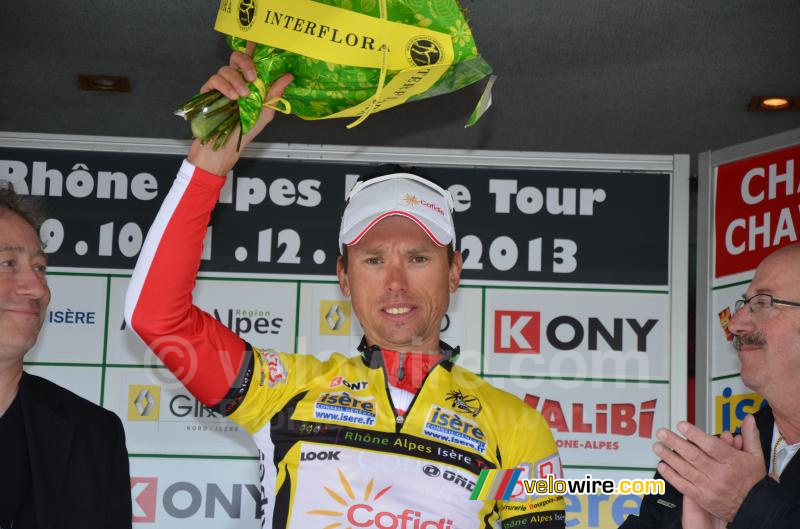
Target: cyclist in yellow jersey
[394,438]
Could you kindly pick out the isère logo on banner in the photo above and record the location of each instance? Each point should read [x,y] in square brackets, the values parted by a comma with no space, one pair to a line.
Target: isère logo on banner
[204,500]
[624,419]
[521,332]
[334,317]
[733,408]
[72,317]
[144,403]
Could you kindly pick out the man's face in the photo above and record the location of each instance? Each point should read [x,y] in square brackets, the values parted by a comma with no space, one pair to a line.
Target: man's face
[769,345]
[24,294]
[400,284]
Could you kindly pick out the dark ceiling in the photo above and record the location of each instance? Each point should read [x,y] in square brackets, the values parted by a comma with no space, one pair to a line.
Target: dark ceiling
[627,76]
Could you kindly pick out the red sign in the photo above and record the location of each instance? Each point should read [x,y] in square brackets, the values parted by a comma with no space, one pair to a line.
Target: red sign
[516,331]
[143,498]
[757,209]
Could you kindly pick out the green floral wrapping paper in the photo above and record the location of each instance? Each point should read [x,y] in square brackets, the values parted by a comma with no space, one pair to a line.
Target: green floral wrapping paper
[321,88]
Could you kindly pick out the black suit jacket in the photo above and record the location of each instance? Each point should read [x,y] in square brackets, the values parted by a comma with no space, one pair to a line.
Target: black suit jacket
[767,505]
[79,463]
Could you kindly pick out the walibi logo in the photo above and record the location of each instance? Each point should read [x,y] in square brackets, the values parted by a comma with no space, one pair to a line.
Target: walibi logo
[517,331]
[618,418]
[182,499]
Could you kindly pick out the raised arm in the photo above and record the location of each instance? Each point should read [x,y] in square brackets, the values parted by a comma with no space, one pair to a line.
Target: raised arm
[202,353]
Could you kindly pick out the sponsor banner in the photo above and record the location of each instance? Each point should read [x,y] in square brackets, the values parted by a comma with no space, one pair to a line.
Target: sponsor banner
[345,408]
[281,216]
[731,402]
[583,334]
[261,312]
[124,347]
[597,423]
[750,207]
[200,493]
[450,427]
[75,321]
[334,327]
[83,381]
[756,210]
[602,511]
[328,323]
[724,360]
[161,417]
[379,490]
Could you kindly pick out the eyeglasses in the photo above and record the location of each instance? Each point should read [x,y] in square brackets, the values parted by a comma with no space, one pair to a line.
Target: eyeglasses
[761,304]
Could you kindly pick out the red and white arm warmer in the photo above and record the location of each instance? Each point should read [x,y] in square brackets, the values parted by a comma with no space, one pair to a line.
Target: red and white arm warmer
[202,353]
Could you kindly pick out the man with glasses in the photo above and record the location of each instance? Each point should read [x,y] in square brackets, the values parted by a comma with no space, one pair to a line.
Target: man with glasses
[751,480]
[396,436]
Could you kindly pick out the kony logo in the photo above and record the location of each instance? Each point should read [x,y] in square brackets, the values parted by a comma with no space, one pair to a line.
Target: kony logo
[207,501]
[619,418]
[143,499]
[517,331]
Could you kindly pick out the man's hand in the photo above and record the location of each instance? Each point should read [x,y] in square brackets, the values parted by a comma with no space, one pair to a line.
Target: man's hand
[231,81]
[711,471]
[695,517]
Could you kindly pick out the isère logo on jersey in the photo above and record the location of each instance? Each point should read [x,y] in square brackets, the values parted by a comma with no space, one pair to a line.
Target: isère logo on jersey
[271,370]
[363,508]
[344,407]
[144,403]
[450,427]
[334,317]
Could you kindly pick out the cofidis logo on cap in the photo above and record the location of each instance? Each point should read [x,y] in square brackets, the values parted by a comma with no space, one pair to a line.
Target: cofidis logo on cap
[413,201]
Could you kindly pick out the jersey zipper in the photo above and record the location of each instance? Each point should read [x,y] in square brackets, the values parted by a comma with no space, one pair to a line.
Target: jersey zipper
[399,420]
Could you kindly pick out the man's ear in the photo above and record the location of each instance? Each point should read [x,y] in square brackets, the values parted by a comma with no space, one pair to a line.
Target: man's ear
[341,273]
[454,277]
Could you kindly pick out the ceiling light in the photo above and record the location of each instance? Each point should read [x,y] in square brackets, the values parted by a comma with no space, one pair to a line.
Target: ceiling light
[773,104]
[104,83]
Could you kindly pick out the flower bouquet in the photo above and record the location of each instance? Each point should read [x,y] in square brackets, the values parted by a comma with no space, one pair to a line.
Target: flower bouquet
[349,58]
